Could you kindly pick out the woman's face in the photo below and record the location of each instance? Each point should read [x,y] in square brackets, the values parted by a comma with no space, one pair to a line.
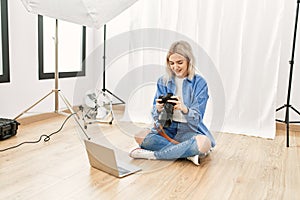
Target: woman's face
[178,65]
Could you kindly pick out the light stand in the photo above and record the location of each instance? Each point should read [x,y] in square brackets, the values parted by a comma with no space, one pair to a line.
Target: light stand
[288,105]
[56,91]
[104,57]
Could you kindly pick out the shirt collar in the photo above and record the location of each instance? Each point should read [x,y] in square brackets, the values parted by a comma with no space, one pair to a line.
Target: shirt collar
[172,80]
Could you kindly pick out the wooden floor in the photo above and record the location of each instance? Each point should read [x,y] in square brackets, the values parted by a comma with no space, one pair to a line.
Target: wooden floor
[240,167]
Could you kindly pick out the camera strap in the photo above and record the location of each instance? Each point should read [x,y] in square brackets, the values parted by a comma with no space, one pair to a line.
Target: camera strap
[161,131]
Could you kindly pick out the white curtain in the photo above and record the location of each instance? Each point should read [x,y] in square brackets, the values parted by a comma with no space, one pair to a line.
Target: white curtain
[237,44]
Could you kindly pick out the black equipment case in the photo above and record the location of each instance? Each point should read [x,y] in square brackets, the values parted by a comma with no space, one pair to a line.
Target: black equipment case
[8,128]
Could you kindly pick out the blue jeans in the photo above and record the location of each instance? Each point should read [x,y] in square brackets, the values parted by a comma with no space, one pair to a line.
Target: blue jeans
[163,149]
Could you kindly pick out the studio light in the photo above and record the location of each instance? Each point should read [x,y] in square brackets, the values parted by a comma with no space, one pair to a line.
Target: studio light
[89,13]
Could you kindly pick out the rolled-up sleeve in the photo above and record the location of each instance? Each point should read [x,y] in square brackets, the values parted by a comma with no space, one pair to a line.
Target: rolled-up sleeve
[160,90]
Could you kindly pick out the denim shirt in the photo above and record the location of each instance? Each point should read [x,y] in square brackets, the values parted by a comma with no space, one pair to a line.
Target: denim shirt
[195,96]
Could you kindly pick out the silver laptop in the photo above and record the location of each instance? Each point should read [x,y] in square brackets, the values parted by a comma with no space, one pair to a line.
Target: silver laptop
[104,159]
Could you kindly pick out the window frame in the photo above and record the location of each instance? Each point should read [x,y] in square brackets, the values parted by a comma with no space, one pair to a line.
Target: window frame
[50,75]
[5,77]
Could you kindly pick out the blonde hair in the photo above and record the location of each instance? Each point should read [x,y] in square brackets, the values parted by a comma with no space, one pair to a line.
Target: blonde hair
[183,48]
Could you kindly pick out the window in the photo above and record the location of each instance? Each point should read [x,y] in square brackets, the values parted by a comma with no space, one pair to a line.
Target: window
[71,48]
[4,50]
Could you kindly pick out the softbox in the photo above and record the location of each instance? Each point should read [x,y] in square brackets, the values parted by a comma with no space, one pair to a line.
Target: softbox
[91,13]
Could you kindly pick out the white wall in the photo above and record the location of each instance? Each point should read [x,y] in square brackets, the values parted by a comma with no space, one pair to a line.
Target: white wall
[24,89]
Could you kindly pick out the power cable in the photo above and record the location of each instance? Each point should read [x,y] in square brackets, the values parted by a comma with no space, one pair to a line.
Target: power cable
[46,137]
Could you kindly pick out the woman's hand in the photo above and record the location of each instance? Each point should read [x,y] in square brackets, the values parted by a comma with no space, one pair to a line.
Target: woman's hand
[179,105]
[159,105]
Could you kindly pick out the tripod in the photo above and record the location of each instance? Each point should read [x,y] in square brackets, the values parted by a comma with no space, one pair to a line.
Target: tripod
[288,106]
[56,91]
[104,58]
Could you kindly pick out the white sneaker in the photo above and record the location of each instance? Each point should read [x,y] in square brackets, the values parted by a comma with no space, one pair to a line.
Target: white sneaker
[142,153]
[194,159]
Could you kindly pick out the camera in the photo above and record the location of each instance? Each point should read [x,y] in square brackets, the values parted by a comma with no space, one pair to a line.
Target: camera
[166,115]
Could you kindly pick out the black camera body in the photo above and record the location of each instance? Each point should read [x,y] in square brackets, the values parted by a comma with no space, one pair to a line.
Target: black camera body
[166,115]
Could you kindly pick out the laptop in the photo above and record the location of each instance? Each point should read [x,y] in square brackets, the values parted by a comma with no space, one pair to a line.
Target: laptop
[104,159]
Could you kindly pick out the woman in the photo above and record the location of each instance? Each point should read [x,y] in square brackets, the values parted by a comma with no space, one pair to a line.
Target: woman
[187,136]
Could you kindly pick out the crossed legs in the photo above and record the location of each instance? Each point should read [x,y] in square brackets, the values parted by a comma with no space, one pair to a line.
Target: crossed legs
[190,144]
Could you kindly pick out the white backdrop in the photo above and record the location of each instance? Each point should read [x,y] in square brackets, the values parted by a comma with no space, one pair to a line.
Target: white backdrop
[248,42]
[243,40]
